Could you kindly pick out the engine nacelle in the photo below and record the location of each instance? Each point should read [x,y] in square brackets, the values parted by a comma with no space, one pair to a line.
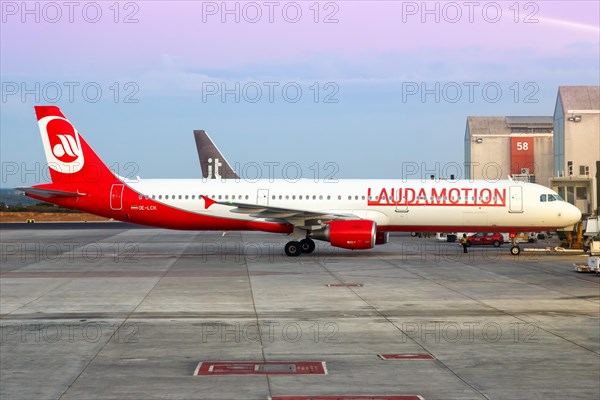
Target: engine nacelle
[354,235]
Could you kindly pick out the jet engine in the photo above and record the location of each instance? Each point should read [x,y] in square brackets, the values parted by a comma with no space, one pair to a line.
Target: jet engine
[354,235]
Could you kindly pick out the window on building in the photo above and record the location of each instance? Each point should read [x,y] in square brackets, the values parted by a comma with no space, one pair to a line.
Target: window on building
[571,194]
[561,191]
[581,193]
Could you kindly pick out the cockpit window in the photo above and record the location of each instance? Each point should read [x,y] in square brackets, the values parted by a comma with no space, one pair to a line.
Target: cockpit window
[551,197]
[543,198]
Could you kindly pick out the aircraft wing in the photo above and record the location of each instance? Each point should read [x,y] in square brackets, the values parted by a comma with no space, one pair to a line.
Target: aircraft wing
[212,162]
[296,217]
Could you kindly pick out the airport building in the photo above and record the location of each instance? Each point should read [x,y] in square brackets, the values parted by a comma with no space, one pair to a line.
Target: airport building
[561,152]
[519,147]
[577,146]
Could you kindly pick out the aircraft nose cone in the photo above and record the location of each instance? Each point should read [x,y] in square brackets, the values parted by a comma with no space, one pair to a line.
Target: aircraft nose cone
[572,214]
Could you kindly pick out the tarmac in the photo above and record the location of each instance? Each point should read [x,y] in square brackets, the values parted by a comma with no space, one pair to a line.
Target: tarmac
[110,311]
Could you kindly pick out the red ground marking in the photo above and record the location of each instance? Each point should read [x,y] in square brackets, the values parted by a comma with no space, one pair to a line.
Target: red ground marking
[260,368]
[374,397]
[411,356]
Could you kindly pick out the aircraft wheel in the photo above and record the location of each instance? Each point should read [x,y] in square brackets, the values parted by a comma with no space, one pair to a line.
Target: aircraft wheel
[293,249]
[307,245]
[515,250]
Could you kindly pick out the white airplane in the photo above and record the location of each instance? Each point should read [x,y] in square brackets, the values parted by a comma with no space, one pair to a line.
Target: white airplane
[351,214]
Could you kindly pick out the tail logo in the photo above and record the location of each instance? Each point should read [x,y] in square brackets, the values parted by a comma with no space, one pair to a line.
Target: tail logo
[62,144]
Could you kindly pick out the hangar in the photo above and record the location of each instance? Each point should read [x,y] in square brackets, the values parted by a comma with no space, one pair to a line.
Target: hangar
[561,151]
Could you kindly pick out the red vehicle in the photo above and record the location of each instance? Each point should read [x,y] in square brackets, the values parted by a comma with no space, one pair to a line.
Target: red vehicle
[495,239]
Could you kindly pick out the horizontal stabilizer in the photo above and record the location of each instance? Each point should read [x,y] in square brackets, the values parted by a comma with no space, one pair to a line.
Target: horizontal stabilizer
[46,193]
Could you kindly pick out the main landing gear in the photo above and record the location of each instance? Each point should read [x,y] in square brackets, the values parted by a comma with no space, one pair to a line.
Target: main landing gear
[294,249]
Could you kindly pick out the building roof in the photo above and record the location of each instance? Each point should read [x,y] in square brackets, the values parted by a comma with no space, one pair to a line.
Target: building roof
[533,121]
[579,97]
[505,125]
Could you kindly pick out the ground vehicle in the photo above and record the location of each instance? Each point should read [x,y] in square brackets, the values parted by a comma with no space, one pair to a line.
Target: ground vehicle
[493,238]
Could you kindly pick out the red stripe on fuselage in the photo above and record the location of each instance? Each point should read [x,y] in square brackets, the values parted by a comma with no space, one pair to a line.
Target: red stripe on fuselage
[144,211]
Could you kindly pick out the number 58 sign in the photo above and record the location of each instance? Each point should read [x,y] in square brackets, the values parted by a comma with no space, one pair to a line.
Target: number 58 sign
[522,155]
[522,146]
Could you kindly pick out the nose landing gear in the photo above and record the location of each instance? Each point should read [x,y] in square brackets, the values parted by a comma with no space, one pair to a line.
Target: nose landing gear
[515,250]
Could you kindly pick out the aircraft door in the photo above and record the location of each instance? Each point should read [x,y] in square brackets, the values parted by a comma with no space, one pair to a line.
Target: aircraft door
[515,199]
[116,197]
[262,197]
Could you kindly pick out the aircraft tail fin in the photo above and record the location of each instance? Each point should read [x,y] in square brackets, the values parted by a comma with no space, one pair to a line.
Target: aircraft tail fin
[212,162]
[70,158]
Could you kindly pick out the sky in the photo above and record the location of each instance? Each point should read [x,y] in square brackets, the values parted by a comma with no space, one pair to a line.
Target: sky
[343,89]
